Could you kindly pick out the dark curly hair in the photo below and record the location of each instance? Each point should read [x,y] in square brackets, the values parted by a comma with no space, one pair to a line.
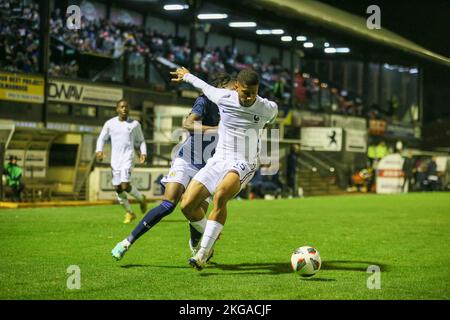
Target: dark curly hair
[220,79]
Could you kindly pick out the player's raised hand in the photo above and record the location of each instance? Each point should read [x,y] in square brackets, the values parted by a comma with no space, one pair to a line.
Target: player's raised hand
[99,156]
[142,158]
[177,75]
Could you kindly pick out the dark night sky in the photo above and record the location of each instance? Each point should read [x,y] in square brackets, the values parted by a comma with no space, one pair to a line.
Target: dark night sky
[425,22]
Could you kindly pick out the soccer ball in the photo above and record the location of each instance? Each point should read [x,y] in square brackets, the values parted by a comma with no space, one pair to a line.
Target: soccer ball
[306,261]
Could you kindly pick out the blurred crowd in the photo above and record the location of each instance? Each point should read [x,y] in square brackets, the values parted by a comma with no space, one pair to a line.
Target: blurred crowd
[19,36]
[19,51]
[100,36]
[420,172]
[424,174]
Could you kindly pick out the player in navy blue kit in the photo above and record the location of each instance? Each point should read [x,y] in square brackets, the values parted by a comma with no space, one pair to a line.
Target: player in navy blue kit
[190,158]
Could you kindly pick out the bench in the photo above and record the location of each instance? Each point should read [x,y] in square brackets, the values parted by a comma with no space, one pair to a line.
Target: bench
[36,190]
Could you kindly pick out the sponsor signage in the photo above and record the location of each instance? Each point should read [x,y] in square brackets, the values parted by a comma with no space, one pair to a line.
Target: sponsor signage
[390,175]
[356,140]
[147,180]
[398,131]
[441,163]
[321,139]
[348,122]
[139,179]
[308,119]
[21,88]
[72,92]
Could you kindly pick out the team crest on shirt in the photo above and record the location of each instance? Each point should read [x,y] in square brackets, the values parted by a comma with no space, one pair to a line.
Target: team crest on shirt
[172,174]
[256,118]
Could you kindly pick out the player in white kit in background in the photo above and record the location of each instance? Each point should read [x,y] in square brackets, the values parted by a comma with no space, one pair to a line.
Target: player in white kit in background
[243,115]
[125,135]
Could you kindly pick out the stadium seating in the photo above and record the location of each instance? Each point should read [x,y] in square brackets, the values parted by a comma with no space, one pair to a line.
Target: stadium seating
[102,44]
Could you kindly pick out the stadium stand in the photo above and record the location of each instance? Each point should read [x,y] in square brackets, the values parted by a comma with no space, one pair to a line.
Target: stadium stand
[128,53]
[19,36]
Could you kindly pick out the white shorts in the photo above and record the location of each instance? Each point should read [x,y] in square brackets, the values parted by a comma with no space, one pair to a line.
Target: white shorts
[180,172]
[216,169]
[120,175]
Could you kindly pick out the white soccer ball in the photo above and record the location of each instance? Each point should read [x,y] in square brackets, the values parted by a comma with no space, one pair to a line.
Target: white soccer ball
[306,261]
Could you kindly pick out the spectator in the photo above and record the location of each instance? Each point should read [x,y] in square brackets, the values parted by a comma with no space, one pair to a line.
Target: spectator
[408,170]
[64,70]
[300,89]
[381,150]
[432,175]
[363,180]
[278,88]
[291,170]
[420,175]
[262,185]
[14,178]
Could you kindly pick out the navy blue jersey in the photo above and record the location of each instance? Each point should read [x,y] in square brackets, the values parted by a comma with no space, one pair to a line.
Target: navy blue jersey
[198,148]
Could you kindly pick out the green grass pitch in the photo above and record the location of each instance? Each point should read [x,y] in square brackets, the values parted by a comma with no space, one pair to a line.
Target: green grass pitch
[407,236]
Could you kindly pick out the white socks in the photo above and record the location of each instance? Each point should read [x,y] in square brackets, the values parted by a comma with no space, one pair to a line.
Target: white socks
[212,231]
[199,225]
[136,194]
[123,200]
[126,243]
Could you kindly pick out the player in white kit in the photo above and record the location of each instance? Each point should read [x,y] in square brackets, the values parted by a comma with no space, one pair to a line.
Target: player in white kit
[243,115]
[125,135]
[190,158]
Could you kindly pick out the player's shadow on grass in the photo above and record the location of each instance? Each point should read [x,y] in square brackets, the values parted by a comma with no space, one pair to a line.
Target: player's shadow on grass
[274,268]
[251,268]
[244,268]
[348,265]
[128,266]
[281,268]
[317,279]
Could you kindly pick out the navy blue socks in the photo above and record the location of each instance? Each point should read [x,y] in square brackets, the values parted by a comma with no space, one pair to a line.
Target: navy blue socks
[151,218]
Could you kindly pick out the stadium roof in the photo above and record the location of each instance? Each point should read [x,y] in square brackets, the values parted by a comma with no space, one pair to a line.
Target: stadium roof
[315,19]
[334,18]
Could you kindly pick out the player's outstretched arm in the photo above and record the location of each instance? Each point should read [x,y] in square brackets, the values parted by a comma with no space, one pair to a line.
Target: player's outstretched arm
[193,123]
[212,93]
[178,75]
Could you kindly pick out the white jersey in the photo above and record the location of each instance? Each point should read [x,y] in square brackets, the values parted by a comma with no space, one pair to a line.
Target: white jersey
[125,136]
[239,127]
